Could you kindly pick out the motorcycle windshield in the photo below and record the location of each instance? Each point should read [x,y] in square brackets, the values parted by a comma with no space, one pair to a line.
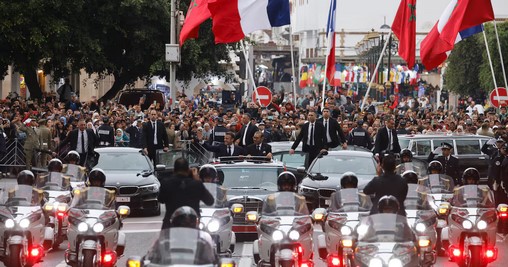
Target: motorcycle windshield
[285,204]
[350,200]
[473,196]
[185,246]
[410,166]
[20,195]
[438,183]
[219,195]
[417,197]
[384,227]
[96,198]
[75,173]
[53,181]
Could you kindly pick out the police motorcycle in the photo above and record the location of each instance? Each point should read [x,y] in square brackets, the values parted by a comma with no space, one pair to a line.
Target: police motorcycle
[76,172]
[472,223]
[421,217]
[23,225]
[386,239]
[94,236]
[407,163]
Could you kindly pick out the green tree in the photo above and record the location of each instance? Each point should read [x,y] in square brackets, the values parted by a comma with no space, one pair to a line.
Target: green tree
[485,76]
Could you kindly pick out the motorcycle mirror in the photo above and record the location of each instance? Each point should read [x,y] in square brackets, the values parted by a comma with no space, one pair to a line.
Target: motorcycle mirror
[134,261]
[251,216]
[319,214]
[124,211]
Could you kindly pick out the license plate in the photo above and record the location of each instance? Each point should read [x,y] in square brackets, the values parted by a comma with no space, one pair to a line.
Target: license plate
[123,199]
[328,202]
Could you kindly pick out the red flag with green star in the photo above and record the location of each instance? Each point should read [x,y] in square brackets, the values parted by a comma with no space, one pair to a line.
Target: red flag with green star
[404,27]
[198,12]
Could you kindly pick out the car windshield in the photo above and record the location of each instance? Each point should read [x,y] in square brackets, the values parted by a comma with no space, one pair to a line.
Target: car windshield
[119,161]
[53,181]
[384,227]
[75,173]
[473,196]
[20,195]
[350,200]
[403,142]
[285,204]
[219,195]
[438,183]
[181,246]
[96,198]
[169,158]
[337,164]
[417,198]
[245,177]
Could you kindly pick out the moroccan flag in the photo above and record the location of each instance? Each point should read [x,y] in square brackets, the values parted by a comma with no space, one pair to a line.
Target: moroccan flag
[404,27]
[459,20]
[198,12]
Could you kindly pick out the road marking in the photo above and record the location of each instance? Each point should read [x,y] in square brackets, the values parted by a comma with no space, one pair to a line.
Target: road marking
[247,250]
[245,262]
[143,222]
[141,231]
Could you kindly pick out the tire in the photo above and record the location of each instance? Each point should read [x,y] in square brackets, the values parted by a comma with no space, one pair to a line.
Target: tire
[88,258]
[58,237]
[15,256]
[257,258]
[475,257]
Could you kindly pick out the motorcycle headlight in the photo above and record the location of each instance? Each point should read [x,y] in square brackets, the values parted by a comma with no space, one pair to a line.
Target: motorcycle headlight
[149,188]
[376,262]
[213,226]
[345,230]
[277,235]
[24,223]
[98,227]
[467,224]
[83,227]
[395,263]
[294,235]
[420,227]
[201,226]
[9,223]
[481,225]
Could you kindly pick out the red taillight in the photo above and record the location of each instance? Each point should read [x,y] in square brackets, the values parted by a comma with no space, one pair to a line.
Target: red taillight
[503,215]
[489,253]
[333,260]
[109,257]
[60,214]
[35,252]
[305,264]
[456,252]
[300,250]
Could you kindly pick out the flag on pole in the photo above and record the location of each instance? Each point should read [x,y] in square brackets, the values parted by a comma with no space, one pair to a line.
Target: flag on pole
[330,34]
[304,76]
[454,25]
[233,19]
[197,13]
[404,27]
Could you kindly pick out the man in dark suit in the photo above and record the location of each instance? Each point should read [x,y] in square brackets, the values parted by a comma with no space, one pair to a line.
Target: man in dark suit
[334,134]
[259,148]
[154,136]
[449,162]
[386,138]
[245,135]
[83,141]
[226,149]
[313,136]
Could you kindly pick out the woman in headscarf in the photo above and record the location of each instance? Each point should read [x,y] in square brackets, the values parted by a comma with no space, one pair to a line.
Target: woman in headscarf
[121,139]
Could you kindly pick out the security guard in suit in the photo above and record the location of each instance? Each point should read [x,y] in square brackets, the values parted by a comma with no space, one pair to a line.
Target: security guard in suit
[32,140]
[449,162]
[106,134]
[359,136]
[218,132]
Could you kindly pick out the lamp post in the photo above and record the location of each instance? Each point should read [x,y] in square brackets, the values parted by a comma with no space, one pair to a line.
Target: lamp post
[385,28]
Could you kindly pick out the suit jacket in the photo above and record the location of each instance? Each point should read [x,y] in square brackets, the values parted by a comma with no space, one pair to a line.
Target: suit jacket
[147,136]
[134,136]
[221,150]
[335,131]
[72,139]
[381,143]
[249,134]
[319,137]
[253,150]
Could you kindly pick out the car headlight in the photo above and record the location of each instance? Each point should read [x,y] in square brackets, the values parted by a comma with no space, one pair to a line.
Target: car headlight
[376,262]
[420,227]
[9,223]
[277,235]
[395,263]
[82,227]
[149,188]
[213,226]
[345,230]
[98,227]
[467,224]
[309,190]
[294,235]
[24,223]
[481,225]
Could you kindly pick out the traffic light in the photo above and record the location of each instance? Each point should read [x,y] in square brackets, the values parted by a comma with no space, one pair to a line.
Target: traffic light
[240,63]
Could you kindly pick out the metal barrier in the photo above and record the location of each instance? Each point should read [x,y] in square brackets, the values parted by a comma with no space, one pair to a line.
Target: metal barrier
[15,154]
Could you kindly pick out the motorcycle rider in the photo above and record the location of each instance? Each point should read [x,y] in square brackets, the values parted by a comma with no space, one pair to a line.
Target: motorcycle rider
[286,182]
[72,167]
[348,180]
[471,176]
[208,174]
[411,177]
[406,156]
[97,178]
[106,134]
[388,204]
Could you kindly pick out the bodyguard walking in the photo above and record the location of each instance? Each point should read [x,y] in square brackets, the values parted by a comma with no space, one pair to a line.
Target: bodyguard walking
[313,136]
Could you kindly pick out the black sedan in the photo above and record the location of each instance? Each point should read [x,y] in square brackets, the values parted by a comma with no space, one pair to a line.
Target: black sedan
[131,174]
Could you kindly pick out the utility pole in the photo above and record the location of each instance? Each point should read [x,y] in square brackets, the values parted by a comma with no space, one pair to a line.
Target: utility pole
[172,41]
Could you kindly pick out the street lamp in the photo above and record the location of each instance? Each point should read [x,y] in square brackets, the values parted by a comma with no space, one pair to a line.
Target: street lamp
[385,28]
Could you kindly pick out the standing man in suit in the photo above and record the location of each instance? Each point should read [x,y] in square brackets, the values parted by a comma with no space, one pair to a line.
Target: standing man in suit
[83,141]
[226,149]
[449,162]
[313,136]
[386,138]
[134,134]
[259,148]
[246,134]
[334,134]
[154,136]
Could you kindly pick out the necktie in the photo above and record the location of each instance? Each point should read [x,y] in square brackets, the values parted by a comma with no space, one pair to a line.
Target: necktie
[244,135]
[259,147]
[328,138]
[229,150]
[389,139]
[154,133]
[312,134]
[83,142]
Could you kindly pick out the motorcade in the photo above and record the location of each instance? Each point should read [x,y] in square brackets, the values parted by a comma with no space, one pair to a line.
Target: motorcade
[23,229]
[325,172]
[94,232]
[285,231]
[131,174]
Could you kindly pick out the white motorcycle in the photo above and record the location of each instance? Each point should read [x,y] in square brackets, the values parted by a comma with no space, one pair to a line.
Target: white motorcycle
[94,232]
[285,232]
[23,228]
[77,174]
[217,220]
[347,208]
[472,226]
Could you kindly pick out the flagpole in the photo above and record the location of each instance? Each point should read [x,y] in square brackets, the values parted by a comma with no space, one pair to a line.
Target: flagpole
[375,70]
[293,77]
[326,68]
[255,91]
[490,63]
[500,55]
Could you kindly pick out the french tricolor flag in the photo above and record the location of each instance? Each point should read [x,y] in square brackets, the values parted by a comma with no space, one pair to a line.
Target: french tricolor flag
[233,19]
[330,34]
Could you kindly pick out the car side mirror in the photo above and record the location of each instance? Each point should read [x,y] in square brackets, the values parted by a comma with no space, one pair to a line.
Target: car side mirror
[319,177]
[160,167]
[124,211]
[301,170]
